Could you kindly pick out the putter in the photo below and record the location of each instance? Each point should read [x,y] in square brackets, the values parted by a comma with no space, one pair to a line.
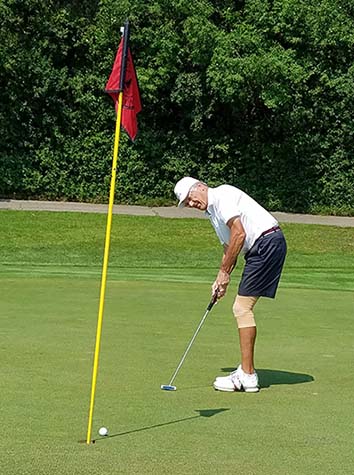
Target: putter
[169,386]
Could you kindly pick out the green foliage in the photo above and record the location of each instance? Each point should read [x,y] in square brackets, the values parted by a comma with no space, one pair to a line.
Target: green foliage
[254,93]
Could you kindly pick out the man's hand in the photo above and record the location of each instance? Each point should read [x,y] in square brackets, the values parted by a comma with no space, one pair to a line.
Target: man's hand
[220,285]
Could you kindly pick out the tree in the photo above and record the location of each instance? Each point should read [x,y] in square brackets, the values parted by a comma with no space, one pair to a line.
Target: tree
[255,93]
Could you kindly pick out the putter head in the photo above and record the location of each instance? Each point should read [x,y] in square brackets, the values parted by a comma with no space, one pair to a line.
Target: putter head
[168,387]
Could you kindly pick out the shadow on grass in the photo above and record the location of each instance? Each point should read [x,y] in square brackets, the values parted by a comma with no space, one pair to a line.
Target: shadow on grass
[201,413]
[270,377]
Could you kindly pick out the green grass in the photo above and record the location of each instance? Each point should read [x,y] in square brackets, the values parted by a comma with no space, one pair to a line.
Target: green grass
[159,283]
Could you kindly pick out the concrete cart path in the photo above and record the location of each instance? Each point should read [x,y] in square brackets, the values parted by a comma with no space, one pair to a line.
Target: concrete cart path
[163,212]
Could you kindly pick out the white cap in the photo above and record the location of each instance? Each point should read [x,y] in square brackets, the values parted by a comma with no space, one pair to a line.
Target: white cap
[182,189]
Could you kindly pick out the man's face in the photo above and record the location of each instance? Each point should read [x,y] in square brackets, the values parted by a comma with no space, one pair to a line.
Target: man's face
[197,197]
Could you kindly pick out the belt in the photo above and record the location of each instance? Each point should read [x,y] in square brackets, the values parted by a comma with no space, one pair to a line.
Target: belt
[274,229]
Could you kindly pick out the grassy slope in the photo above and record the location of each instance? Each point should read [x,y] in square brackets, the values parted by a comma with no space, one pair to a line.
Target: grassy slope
[301,422]
[72,243]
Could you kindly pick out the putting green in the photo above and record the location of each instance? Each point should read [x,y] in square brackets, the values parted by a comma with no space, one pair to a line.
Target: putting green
[300,422]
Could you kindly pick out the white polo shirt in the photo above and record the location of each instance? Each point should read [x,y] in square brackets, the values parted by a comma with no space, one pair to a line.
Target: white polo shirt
[226,202]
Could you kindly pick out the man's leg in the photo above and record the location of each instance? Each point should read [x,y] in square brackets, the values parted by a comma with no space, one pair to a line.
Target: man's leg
[243,311]
[244,377]
[247,342]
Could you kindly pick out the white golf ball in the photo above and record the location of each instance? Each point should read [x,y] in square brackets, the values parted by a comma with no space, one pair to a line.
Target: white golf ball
[103,431]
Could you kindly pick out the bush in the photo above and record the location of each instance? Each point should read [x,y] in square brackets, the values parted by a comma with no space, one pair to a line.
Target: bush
[255,93]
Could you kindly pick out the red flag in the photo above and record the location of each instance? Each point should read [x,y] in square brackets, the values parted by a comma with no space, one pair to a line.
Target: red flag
[131,95]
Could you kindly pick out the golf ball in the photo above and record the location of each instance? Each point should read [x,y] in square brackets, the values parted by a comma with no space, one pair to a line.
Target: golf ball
[103,431]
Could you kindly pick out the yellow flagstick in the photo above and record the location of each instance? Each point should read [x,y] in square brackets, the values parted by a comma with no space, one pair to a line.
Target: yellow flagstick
[105,266]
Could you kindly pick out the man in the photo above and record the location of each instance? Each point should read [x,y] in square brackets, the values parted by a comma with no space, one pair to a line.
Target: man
[243,227]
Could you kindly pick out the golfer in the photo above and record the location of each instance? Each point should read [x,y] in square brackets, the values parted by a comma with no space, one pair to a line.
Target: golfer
[243,228]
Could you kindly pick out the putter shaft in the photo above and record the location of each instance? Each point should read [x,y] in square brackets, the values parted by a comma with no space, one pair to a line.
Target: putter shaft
[169,386]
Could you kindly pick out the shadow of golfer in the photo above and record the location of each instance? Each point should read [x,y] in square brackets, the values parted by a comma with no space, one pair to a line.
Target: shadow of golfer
[202,413]
[270,377]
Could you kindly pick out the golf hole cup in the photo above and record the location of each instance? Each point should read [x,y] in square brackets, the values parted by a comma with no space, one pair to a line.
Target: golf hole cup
[103,431]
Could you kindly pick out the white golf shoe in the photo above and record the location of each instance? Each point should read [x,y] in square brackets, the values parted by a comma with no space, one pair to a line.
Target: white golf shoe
[238,380]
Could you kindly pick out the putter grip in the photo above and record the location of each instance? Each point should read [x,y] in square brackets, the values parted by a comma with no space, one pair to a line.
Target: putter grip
[212,302]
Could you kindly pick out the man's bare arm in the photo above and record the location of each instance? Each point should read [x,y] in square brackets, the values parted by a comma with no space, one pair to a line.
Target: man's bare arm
[237,239]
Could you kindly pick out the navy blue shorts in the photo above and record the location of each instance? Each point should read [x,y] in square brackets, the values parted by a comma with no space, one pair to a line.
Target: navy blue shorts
[264,264]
